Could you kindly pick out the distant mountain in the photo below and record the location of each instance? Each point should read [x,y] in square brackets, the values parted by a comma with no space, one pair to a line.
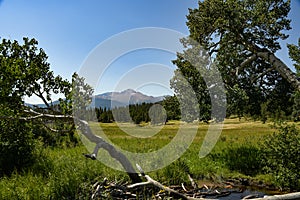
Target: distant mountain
[118,99]
[124,98]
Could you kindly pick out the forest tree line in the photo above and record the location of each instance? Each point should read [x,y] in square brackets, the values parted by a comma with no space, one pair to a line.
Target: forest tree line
[156,113]
[280,102]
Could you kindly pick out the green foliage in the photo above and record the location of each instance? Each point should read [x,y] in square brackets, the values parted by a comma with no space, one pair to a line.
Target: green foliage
[264,113]
[16,146]
[233,32]
[294,52]
[136,113]
[139,112]
[172,107]
[195,74]
[296,107]
[238,101]
[106,117]
[58,174]
[78,98]
[157,114]
[281,156]
[237,24]
[24,72]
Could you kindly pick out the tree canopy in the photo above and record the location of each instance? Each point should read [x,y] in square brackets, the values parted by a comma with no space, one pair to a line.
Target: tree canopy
[242,38]
[24,71]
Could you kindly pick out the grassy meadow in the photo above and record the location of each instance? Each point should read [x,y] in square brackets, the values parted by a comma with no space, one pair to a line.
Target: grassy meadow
[64,173]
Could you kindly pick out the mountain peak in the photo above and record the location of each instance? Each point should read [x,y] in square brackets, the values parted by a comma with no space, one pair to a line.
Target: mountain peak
[128,91]
[123,98]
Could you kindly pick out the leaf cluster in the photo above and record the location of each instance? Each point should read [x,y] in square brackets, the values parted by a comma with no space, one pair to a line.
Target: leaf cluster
[281,156]
[25,72]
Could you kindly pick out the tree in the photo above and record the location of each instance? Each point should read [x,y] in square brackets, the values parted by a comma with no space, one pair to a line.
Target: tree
[24,71]
[243,37]
[190,87]
[294,52]
[244,34]
[172,107]
[157,114]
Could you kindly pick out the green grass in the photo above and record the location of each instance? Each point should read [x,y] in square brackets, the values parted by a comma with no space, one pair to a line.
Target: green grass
[60,174]
[67,174]
[234,133]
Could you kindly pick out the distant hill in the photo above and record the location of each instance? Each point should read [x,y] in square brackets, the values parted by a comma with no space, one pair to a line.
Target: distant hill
[124,98]
[118,99]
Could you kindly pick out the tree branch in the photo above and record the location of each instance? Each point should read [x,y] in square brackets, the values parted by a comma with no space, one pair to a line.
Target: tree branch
[276,63]
[281,68]
[58,131]
[99,141]
[38,115]
[253,79]
[295,195]
[40,94]
[244,63]
[151,181]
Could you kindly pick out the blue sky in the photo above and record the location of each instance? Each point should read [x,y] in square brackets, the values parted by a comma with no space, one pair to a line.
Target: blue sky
[69,30]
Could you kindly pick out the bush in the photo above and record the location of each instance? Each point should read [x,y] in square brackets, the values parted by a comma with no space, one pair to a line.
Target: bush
[16,146]
[281,157]
[55,139]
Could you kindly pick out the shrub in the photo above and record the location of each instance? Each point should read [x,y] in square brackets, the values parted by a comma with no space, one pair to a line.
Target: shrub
[16,146]
[55,139]
[281,156]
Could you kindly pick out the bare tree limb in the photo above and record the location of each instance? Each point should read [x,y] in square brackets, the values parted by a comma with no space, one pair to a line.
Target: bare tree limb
[295,195]
[194,184]
[87,132]
[281,68]
[100,143]
[151,181]
[275,62]
[58,131]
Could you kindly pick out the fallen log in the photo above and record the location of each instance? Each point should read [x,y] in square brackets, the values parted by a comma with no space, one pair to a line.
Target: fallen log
[155,183]
[293,196]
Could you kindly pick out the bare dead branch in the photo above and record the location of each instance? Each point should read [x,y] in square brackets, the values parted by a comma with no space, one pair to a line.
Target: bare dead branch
[295,195]
[58,131]
[194,184]
[183,187]
[87,132]
[172,192]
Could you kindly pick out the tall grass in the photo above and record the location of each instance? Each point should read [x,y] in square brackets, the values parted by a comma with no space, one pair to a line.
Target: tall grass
[64,173]
[59,174]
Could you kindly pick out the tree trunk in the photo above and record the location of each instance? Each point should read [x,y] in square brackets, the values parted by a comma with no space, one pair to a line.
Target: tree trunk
[87,132]
[279,66]
[113,152]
